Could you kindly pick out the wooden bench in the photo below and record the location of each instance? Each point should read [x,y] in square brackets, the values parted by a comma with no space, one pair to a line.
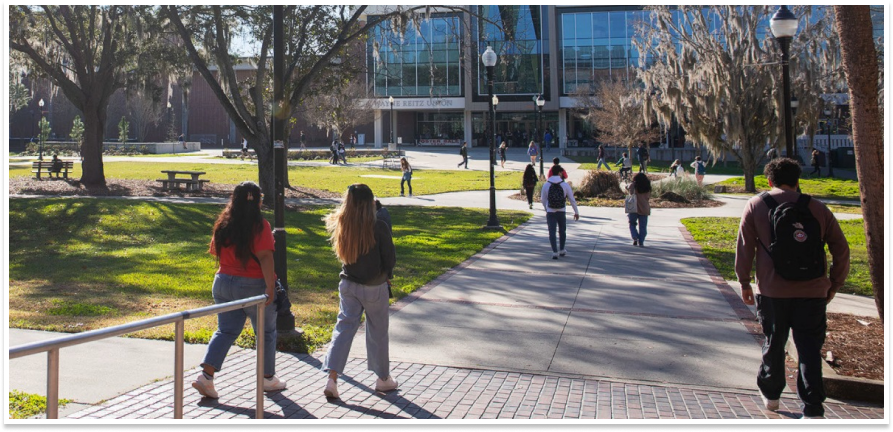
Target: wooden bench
[40,167]
[193,183]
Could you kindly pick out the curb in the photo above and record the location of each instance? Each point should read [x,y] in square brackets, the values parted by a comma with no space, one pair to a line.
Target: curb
[845,387]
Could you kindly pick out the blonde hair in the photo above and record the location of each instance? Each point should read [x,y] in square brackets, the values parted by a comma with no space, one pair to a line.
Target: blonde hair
[352,226]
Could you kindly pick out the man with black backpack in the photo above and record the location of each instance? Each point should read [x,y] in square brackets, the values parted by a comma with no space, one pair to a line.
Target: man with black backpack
[786,232]
[556,192]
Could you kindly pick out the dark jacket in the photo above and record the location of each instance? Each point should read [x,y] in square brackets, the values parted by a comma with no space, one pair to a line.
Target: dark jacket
[463,151]
[530,179]
[642,153]
[376,265]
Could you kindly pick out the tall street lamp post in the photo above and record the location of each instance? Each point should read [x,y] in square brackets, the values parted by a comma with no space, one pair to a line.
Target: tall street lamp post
[828,131]
[541,134]
[784,26]
[794,105]
[40,133]
[391,100]
[488,58]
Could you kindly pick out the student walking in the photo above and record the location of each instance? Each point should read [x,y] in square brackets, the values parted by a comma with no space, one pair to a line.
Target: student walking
[242,241]
[531,151]
[700,170]
[502,153]
[407,176]
[547,137]
[365,248]
[303,147]
[794,283]
[529,182]
[342,152]
[814,161]
[554,196]
[601,158]
[334,149]
[555,163]
[640,189]
[676,169]
[464,152]
[644,158]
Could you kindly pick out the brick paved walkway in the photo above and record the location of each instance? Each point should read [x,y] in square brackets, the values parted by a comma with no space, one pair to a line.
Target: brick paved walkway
[438,392]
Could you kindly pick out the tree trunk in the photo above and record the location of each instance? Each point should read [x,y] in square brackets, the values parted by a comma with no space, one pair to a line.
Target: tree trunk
[91,148]
[749,165]
[860,65]
[266,170]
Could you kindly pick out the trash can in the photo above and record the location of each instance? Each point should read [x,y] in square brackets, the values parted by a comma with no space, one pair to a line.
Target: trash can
[844,157]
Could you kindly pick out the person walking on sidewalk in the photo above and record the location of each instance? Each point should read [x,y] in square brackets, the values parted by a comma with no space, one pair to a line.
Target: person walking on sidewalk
[529,182]
[407,176]
[601,158]
[547,138]
[555,163]
[791,294]
[243,244]
[554,196]
[502,154]
[700,170]
[676,170]
[464,152]
[640,188]
[642,154]
[814,161]
[531,151]
[365,248]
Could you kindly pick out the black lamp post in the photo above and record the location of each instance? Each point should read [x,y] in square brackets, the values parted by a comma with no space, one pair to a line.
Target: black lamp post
[489,60]
[794,105]
[828,131]
[391,127]
[40,133]
[539,128]
[784,26]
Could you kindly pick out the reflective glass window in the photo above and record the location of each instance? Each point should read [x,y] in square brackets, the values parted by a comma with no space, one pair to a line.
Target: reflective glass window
[518,45]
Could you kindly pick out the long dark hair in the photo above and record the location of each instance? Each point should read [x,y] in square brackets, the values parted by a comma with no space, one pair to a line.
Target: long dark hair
[530,173]
[643,185]
[240,221]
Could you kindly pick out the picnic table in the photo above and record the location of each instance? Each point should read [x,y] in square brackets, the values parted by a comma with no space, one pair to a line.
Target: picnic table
[193,183]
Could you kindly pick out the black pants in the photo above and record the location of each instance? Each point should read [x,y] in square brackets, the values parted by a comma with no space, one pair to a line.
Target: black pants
[806,317]
[464,161]
[816,170]
[529,191]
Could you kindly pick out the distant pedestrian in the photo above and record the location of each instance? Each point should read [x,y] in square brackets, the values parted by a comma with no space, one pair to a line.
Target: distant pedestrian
[242,241]
[676,169]
[794,283]
[547,137]
[554,196]
[531,151]
[529,182]
[700,170]
[334,149]
[245,153]
[303,147]
[342,152]
[640,187]
[407,176]
[555,163]
[182,140]
[601,158]
[642,154]
[814,161]
[626,167]
[366,251]
[771,154]
[464,152]
[502,153]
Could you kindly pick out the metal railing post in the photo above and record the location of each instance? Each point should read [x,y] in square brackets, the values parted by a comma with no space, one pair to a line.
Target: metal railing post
[178,369]
[53,383]
[259,344]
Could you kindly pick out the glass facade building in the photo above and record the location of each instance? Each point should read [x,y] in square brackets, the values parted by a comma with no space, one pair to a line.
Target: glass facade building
[518,41]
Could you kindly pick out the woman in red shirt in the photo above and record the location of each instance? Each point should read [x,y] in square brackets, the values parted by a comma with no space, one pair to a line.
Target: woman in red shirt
[243,244]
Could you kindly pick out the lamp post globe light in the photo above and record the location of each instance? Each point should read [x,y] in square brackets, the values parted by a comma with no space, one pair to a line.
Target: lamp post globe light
[828,131]
[541,134]
[784,26]
[391,100]
[488,58]
[40,133]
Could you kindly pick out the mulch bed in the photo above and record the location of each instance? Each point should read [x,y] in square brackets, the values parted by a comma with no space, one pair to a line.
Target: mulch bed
[118,187]
[857,349]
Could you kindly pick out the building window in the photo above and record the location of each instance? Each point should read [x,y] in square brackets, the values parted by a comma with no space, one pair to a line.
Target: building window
[518,43]
[421,61]
[444,126]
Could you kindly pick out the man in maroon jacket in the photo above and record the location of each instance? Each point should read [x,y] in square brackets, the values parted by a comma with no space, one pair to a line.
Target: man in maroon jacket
[784,305]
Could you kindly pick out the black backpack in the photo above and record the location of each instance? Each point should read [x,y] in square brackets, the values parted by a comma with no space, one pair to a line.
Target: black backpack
[797,248]
[556,196]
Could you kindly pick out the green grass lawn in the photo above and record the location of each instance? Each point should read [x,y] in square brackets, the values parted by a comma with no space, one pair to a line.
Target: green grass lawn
[833,188]
[590,163]
[334,179]
[27,405]
[79,264]
[718,237]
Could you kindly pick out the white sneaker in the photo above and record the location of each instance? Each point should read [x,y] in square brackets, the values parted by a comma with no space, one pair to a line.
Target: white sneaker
[273,384]
[769,404]
[386,385]
[555,255]
[563,252]
[331,390]
[205,386]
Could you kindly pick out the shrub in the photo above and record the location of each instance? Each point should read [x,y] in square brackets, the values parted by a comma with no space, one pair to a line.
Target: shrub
[600,184]
[685,187]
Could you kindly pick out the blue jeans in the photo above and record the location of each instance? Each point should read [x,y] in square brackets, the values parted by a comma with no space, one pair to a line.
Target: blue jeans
[601,161]
[229,288]
[642,220]
[806,317]
[407,178]
[354,299]
[558,220]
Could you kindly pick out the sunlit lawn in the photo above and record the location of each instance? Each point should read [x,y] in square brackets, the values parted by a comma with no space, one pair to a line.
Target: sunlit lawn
[78,264]
[718,237]
[824,187]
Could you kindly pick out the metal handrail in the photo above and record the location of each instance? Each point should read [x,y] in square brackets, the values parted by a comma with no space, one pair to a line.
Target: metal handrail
[52,347]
